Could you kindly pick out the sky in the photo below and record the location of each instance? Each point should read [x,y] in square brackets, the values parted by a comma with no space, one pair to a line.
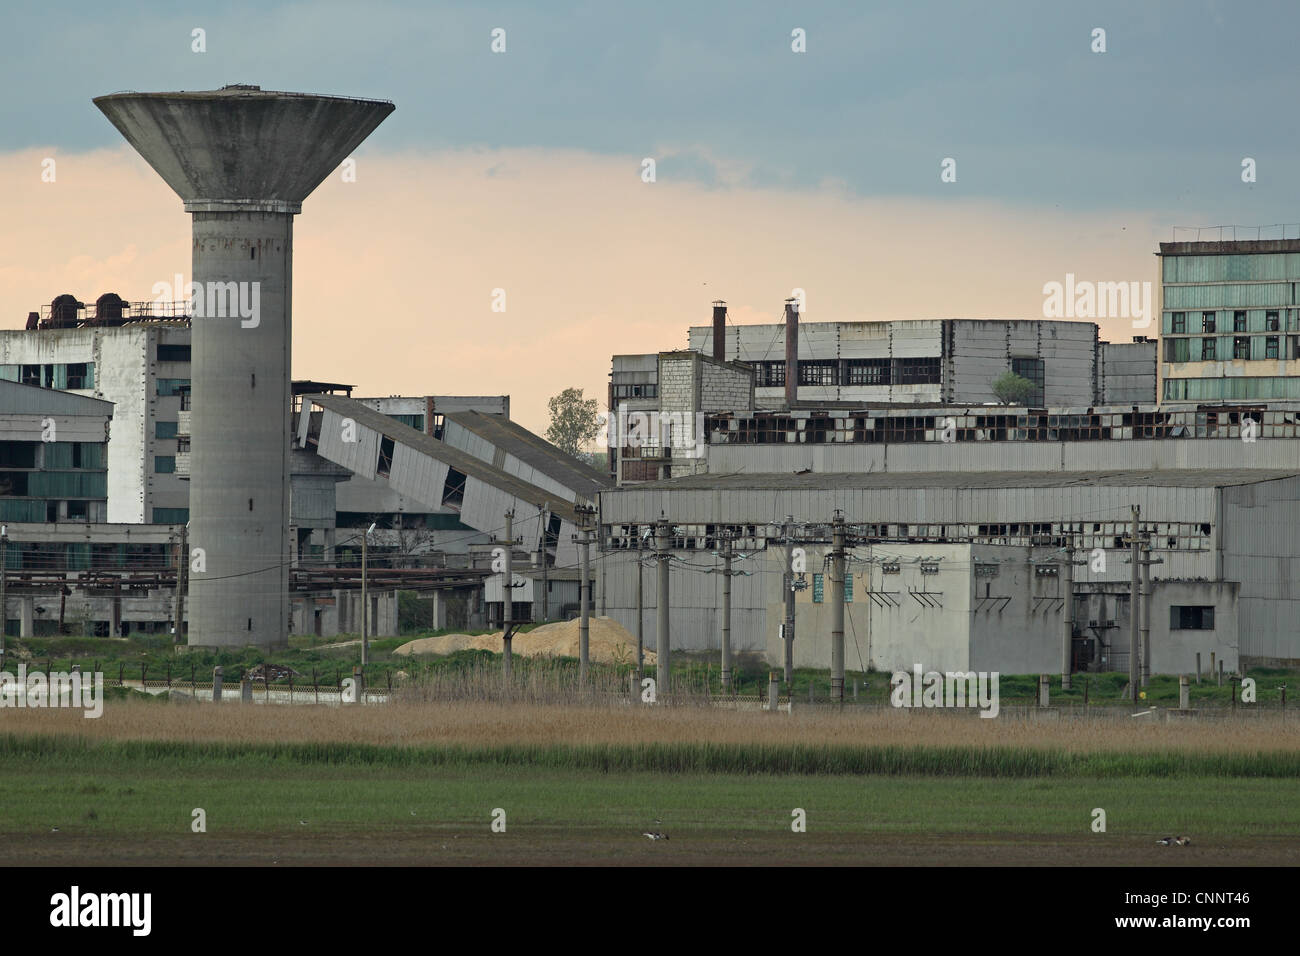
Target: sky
[523,170]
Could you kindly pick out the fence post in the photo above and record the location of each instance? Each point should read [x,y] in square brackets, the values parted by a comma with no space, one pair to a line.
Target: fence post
[359,683]
[121,673]
[245,690]
[1044,691]
[773,692]
[217,673]
[1184,693]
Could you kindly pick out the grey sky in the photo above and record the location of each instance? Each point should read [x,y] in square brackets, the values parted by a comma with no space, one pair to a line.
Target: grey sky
[1012,91]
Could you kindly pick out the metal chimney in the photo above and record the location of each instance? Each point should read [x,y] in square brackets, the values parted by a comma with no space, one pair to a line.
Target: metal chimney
[720,330]
[243,160]
[791,351]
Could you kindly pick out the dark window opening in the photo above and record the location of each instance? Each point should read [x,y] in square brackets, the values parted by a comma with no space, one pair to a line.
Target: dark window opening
[1207,321]
[918,371]
[818,373]
[453,490]
[1241,347]
[384,465]
[172,353]
[873,371]
[1191,617]
[1033,369]
[1239,321]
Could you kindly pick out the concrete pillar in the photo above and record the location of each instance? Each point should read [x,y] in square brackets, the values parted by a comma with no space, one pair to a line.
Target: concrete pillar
[1044,691]
[439,612]
[1184,693]
[359,677]
[331,536]
[217,673]
[26,609]
[773,692]
[246,691]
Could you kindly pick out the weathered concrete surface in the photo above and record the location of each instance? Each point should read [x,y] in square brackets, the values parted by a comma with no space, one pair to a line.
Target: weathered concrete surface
[243,160]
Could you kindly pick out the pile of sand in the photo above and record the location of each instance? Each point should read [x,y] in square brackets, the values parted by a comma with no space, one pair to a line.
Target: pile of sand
[607,641]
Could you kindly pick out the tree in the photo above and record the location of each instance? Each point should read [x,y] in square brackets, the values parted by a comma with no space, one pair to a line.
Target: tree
[1013,389]
[575,421]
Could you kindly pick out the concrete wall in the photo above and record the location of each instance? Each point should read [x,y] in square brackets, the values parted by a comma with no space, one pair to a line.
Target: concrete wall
[1127,373]
[1174,651]
[1260,551]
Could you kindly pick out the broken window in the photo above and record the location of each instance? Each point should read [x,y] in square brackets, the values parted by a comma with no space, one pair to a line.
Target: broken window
[453,489]
[818,373]
[1241,347]
[1207,321]
[872,371]
[385,462]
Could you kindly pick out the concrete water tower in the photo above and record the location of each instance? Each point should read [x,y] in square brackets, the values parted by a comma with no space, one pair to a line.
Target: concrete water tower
[243,159]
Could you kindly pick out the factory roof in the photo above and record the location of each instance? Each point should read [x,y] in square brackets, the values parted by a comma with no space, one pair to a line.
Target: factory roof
[19,399]
[866,481]
[533,450]
[463,462]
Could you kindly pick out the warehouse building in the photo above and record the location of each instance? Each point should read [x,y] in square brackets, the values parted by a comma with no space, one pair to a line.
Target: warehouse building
[964,565]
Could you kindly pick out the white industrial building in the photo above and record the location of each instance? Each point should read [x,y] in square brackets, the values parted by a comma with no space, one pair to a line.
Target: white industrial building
[965,565]
[121,353]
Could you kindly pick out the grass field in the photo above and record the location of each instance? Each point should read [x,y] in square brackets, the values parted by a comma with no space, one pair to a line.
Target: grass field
[418,784]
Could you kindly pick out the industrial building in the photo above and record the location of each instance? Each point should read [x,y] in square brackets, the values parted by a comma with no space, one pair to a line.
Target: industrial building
[1230,321]
[135,355]
[962,510]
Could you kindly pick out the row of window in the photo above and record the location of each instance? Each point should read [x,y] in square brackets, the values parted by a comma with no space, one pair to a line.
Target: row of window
[1248,347]
[1242,321]
[865,371]
[70,375]
[1233,388]
[635,391]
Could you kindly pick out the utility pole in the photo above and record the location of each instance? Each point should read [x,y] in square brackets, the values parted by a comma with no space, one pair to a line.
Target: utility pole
[365,597]
[837,607]
[546,560]
[584,626]
[788,579]
[4,604]
[1145,565]
[1067,615]
[1135,601]
[663,672]
[182,566]
[640,611]
[507,598]
[726,611]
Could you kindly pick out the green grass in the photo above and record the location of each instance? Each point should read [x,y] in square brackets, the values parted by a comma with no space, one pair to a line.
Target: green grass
[155,794]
